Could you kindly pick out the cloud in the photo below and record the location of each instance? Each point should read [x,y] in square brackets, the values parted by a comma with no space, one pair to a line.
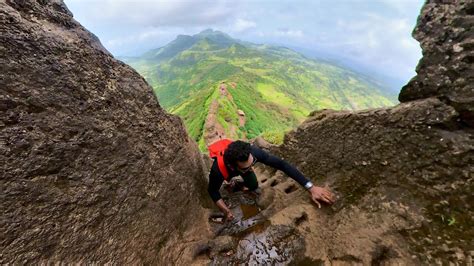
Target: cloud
[241,25]
[157,12]
[283,33]
[289,33]
[378,41]
[376,33]
[398,5]
[139,42]
[142,36]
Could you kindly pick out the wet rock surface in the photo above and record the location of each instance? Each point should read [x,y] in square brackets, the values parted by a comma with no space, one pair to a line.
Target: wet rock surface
[247,214]
[252,238]
[277,245]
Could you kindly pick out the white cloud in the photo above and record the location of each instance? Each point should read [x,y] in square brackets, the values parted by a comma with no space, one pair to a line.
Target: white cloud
[289,33]
[150,37]
[372,39]
[241,25]
[157,12]
[152,33]
[398,5]
[375,32]
[281,34]
[383,42]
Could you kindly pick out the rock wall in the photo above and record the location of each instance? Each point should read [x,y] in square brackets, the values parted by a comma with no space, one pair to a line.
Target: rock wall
[446,35]
[414,161]
[92,168]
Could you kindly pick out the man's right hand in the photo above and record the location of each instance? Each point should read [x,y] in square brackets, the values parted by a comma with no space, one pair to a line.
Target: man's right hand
[322,194]
[229,216]
[227,212]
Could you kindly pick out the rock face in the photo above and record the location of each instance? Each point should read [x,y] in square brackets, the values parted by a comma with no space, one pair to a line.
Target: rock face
[92,169]
[445,32]
[405,171]
[409,168]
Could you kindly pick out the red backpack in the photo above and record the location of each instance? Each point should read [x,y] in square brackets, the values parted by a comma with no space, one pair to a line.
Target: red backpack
[216,150]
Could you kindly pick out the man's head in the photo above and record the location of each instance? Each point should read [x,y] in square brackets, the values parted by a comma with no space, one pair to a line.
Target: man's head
[238,155]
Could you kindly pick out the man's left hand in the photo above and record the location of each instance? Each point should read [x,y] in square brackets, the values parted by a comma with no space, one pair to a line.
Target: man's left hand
[322,194]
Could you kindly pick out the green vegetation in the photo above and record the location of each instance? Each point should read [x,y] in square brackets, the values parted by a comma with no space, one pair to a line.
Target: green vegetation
[275,87]
[274,137]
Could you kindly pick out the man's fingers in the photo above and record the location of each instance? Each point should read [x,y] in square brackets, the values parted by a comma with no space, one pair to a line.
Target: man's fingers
[317,203]
[323,195]
[229,217]
[328,197]
[328,192]
[332,198]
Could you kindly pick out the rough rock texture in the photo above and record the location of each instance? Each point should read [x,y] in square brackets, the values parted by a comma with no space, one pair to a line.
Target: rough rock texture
[409,169]
[406,170]
[92,168]
[445,31]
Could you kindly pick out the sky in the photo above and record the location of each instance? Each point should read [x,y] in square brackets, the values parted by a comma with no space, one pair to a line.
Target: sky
[370,36]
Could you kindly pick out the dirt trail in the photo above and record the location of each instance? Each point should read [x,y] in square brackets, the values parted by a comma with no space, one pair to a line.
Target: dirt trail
[241,117]
[213,130]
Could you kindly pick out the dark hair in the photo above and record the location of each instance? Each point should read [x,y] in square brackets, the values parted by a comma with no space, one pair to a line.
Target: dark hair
[237,151]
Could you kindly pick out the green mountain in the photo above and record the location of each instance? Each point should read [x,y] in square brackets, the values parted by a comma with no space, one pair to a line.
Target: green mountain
[221,86]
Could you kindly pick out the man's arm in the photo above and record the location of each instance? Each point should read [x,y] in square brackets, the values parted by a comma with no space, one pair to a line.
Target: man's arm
[215,183]
[277,163]
[317,193]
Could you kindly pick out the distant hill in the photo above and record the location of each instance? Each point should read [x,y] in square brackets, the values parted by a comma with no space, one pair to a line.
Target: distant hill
[223,87]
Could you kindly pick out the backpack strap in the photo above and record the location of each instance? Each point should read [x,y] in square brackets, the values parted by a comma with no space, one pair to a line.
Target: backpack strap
[221,164]
[217,149]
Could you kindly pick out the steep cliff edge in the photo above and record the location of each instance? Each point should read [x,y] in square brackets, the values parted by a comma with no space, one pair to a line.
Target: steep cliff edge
[92,169]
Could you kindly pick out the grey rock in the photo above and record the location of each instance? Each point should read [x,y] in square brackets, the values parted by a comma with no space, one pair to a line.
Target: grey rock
[445,28]
[93,170]
[221,244]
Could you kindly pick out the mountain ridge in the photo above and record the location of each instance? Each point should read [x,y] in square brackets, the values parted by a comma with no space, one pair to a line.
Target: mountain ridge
[286,84]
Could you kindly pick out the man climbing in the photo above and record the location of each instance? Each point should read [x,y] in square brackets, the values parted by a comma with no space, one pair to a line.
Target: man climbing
[233,158]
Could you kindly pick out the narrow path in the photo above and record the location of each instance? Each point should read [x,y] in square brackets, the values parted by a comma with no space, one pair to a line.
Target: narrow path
[213,130]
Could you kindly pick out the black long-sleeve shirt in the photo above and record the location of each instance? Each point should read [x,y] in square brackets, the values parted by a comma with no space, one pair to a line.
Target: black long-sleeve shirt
[216,178]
